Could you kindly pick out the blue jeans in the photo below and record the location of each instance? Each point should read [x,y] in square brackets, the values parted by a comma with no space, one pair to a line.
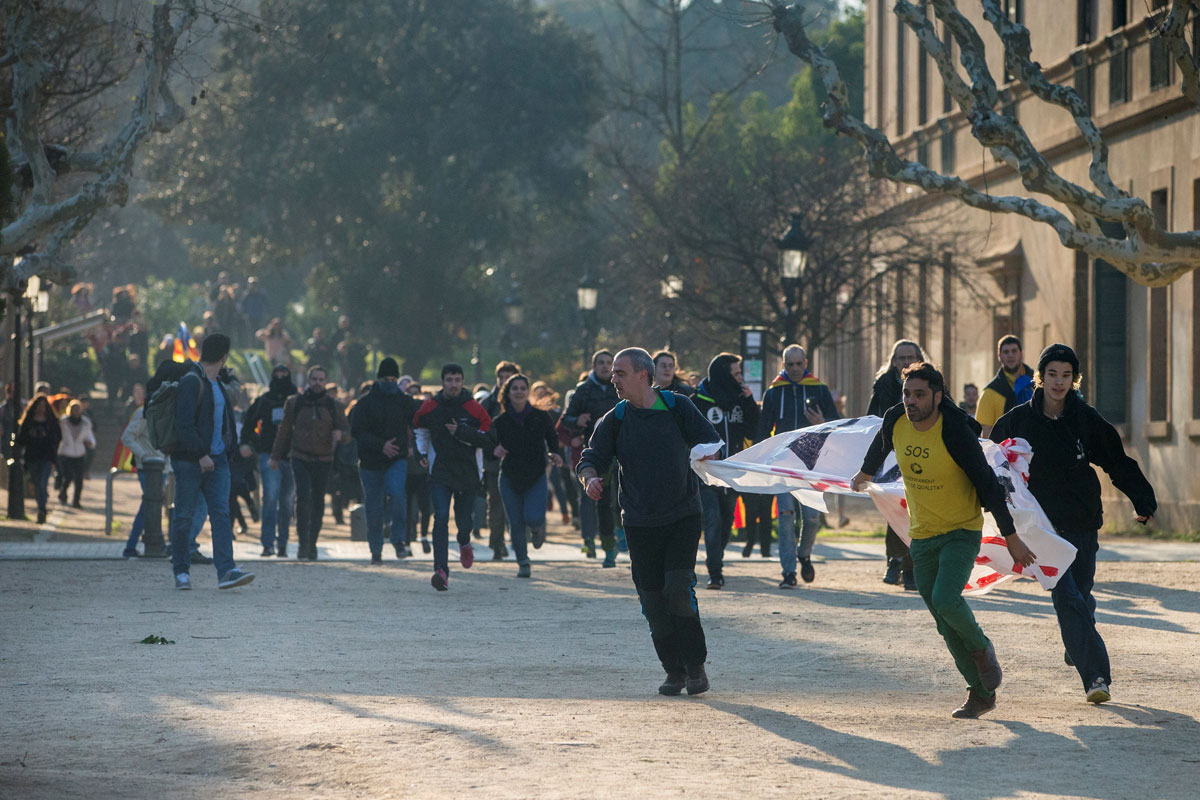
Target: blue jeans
[464,519]
[1076,610]
[39,471]
[811,519]
[378,485]
[716,514]
[278,495]
[525,510]
[191,486]
[139,521]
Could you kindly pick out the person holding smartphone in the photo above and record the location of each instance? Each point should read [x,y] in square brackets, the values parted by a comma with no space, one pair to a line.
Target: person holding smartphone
[795,400]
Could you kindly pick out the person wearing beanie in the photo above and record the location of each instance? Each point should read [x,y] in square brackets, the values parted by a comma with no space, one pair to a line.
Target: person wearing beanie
[380,424]
[729,405]
[1068,436]
[259,426]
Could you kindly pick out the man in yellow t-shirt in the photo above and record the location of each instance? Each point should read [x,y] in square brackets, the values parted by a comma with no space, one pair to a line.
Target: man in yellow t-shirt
[945,477]
[1012,385]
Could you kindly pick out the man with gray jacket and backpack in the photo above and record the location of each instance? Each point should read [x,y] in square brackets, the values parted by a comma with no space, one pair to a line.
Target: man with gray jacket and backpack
[204,435]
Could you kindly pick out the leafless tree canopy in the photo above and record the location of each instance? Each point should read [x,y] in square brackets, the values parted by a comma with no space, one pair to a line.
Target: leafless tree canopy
[1142,249]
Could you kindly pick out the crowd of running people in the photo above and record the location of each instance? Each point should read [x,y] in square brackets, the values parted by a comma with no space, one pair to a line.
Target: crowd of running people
[625,436]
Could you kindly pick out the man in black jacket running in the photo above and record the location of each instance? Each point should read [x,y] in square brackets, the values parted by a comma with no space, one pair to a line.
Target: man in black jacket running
[650,434]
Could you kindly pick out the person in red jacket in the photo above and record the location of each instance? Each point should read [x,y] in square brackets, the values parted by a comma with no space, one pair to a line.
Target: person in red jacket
[452,428]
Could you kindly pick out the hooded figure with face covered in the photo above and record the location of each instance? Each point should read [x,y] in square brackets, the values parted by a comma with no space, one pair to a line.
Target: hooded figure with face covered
[729,405]
[259,427]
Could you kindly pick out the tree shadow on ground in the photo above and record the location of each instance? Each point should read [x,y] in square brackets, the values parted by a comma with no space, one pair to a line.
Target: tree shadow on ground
[1094,763]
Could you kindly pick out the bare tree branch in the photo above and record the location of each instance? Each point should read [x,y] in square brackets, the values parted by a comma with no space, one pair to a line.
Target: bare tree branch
[1174,32]
[1150,255]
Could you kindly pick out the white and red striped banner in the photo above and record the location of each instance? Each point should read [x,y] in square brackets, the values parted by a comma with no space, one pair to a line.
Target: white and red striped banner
[810,462]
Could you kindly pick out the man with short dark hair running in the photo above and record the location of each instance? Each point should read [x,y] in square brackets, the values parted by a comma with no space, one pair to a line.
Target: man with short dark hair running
[945,478]
[1012,385]
[650,434]
[451,431]
[593,398]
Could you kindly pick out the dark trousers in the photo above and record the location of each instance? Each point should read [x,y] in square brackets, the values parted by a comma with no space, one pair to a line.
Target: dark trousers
[312,481]
[1076,610]
[758,521]
[895,547]
[664,572]
[441,496]
[495,511]
[71,469]
[416,488]
[717,504]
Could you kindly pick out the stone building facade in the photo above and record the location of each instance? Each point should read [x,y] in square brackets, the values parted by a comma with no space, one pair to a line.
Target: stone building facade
[1139,348]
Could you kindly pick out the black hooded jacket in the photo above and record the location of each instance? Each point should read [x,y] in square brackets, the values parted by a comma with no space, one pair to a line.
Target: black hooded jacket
[960,434]
[378,417]
[886,392]
[1061,476]
[719,398]
[262,419]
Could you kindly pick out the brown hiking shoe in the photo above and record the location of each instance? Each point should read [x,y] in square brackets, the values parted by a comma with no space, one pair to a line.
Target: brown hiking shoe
[990,673]
[975,707]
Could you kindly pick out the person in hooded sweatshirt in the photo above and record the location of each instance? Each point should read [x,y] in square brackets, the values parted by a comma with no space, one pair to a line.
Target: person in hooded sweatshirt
[452,430]
[1068,436]
[313,424]
[795,399]
[728,403]
[594,397]
[259,426]
[380,424]
[77,438]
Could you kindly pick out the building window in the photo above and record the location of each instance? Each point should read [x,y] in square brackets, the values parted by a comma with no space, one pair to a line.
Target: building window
[880,70]
[1160,57]
[901,79]
[948,44]
[1120,14]
[1110,350]
[899,298]
[947,148]
[1085,21]
[1083,78]
[923,151]
[1118,74]
[922,85]
[1159,357]
[1195,309]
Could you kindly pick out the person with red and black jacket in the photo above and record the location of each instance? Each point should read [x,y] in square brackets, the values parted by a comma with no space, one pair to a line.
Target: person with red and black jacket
[1068,436]
[946,478]
[452,430]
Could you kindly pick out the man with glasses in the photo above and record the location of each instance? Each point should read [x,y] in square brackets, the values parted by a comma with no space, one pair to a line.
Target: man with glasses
[795,400]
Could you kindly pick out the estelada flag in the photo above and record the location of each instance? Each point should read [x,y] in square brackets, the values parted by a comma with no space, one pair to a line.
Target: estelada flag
[185,345]
[820,459]
[122,456]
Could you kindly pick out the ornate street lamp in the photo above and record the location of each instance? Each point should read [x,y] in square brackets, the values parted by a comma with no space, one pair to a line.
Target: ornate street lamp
[587,296]
[793,253]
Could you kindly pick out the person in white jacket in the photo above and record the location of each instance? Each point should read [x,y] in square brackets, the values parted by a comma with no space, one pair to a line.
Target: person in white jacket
[77,438]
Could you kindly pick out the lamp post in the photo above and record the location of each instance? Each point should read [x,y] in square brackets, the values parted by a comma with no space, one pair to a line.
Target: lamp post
[587,296]
[16,472]
[514,312]
[794,249]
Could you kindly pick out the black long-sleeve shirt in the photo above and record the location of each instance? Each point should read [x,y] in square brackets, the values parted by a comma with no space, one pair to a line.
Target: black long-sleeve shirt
[527,437]
[1061,476]
[656,484]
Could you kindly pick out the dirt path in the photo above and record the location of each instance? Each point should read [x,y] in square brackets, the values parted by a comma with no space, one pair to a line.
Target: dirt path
[338,680]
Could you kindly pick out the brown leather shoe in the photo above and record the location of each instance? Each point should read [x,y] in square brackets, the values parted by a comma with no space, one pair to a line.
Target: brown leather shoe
[975,707]
[990,673]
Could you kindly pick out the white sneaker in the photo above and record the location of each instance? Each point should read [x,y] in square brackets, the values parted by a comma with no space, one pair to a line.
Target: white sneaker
[1099,692]
[183,581]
